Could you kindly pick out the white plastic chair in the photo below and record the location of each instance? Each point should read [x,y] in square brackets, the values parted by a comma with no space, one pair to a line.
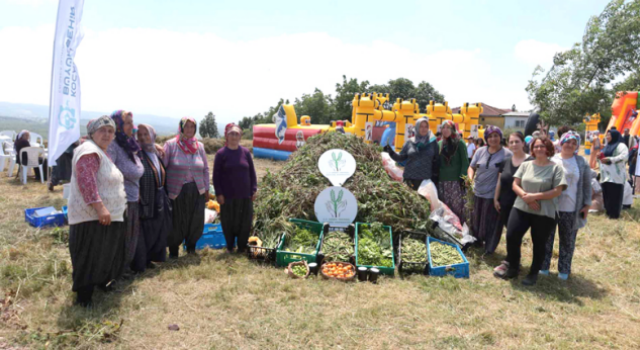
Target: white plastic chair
[10,134]
[6,155]
[33,161]
[10,151]
[36,140]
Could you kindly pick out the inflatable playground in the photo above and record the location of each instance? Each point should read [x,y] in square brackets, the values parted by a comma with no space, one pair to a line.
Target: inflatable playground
[278,140]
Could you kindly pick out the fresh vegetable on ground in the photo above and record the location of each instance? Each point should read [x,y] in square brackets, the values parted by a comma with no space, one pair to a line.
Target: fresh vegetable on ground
[301,241]
[444,254]
[414,250]
[338,270]
[337,246]
[374,246]
[291,193]
[299,270]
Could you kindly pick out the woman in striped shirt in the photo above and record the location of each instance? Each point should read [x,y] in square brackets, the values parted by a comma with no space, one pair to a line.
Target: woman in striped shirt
[188,186]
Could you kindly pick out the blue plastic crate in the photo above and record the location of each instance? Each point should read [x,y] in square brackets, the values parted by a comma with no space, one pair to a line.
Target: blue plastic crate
[212,237]
[456,270]
[43,221]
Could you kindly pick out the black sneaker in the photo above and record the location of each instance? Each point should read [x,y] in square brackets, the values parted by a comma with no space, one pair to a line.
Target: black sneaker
[530,280]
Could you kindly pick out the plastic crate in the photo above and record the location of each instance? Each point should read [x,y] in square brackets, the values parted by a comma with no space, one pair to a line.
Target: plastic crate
[43,221]
[351,231]
[456,270]
[283,258]
[212,237]
[407,267]
[385,270]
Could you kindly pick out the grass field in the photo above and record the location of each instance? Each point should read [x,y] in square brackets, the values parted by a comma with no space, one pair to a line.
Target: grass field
[222,301]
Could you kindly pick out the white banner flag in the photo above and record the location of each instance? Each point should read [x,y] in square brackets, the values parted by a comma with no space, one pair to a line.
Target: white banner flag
[64,101]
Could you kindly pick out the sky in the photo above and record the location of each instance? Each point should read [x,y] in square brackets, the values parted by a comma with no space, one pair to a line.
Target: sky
[238,58]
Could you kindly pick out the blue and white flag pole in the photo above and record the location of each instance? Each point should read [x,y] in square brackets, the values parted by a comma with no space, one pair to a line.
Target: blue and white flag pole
[64,99]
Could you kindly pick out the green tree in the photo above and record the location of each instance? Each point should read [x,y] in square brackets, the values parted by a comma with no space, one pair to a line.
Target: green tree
[425,92]
[583,79]
[318,106]
[344,95]
[208,126]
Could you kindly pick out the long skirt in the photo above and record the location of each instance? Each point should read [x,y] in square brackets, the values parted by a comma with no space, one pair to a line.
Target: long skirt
[152,244]
[133,232]
[188,217]
[452,194]
[236,217]
[612,194]
[97,253]
[484,220]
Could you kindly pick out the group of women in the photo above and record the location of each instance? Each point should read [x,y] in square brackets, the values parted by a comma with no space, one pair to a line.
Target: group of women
[130,198]
[527,186]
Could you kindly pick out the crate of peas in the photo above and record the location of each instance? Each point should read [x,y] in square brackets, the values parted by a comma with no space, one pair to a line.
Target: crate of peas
[446,259]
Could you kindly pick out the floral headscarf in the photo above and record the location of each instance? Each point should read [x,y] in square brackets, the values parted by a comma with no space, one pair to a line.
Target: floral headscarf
[148,147]
[571,135]
[95,124]
[491,129]
[228,128]
[127,143]
[188,145]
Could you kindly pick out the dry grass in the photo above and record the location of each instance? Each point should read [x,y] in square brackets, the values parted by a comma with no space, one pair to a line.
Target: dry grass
[222,301]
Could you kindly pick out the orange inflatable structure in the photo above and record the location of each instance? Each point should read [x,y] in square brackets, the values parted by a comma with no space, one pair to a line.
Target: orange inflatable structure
[624,112]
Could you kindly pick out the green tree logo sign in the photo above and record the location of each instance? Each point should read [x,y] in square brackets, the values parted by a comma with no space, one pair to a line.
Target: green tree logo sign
[336,205]
[337,163]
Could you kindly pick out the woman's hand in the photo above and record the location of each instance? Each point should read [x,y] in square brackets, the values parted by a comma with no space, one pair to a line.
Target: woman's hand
[160,150]
[585,211]
[220,199]
[104,217]
[534,205]
[606,161]
[496,204]
[528,198]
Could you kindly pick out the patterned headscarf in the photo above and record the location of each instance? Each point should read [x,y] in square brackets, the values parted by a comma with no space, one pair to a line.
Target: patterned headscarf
[570,135]
[419,138]
[148,147]
[128,143]
[228,128]
[450,144]
[188,145]
[95,124]
[491,129]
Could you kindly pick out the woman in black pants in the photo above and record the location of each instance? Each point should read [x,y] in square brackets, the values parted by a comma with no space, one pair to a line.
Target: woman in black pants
[537,184]
[504,197]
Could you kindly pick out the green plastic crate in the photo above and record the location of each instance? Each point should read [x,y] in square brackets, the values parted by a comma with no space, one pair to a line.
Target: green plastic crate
[385,270]
[284,258]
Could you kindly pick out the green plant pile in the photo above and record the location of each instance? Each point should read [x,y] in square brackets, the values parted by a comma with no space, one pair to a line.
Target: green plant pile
[337,246]
[374,246]
[414,250]
[444,254]
[291,192]
[301,241]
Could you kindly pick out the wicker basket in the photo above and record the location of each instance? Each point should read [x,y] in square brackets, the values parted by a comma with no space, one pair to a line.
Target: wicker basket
[289,269]
[346,279]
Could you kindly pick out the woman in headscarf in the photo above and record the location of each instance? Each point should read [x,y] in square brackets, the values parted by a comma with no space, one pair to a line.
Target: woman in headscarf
[188,186]
[483,170]
[97,202]
[453,166]
[422,156]
[124,154]
[235,183]
[155,211]
[573,203]
[613,173]
[22,141]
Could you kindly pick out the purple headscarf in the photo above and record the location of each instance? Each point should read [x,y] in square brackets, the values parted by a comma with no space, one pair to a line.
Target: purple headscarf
[491,129]
[128,143]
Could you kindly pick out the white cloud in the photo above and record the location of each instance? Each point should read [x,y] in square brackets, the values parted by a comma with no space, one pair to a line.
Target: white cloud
[534,52]
[175,73]
[29,2]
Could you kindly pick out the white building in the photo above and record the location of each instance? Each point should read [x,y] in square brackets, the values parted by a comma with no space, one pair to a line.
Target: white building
[515,120]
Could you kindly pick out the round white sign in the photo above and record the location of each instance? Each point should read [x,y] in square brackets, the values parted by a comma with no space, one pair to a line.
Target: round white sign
[337,165]
[336,206]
